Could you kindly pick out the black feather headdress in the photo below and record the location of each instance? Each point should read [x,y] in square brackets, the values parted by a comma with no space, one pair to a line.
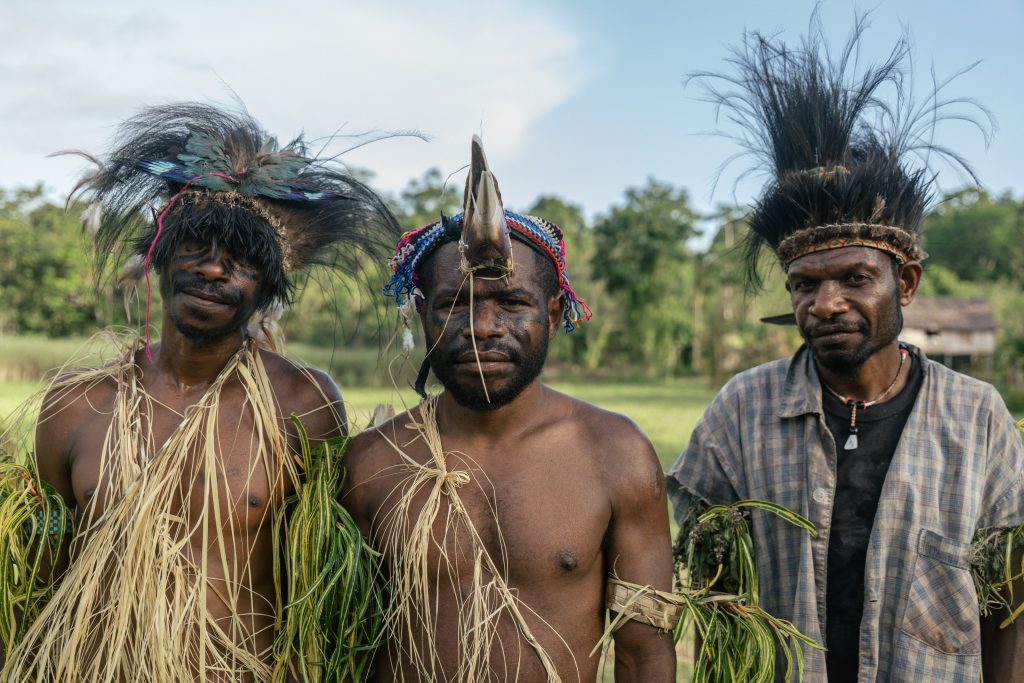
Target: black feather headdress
[847,166]
[191,171]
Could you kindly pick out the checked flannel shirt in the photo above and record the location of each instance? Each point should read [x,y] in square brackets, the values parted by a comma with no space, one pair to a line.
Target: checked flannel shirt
[958,467]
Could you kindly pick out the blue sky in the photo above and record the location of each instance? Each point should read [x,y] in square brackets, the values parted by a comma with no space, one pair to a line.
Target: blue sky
[579,99]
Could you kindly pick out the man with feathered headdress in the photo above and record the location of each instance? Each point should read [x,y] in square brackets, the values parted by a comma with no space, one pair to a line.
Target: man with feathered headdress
[897,460]
[508,515]
[198,505]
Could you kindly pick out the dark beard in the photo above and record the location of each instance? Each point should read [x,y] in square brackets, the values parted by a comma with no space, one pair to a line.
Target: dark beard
[846,362]
[471,394]
[203,335]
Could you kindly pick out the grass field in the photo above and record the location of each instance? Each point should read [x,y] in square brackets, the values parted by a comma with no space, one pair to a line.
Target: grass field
[666,410]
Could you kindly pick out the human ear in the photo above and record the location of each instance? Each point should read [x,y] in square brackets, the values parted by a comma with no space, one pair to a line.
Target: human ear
[910,278]
[556,305]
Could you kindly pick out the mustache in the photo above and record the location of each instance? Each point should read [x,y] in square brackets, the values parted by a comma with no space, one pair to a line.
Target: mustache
[184,280]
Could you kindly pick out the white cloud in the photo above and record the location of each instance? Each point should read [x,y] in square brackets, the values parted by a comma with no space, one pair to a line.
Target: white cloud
[71,71]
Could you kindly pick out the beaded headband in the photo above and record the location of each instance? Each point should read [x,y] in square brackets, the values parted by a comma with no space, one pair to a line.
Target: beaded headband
[544,236]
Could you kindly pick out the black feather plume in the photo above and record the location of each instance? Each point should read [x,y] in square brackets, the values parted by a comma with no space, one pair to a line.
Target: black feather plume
[836,148]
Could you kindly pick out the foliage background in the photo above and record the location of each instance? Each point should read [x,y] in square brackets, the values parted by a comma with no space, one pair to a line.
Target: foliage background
[662,307]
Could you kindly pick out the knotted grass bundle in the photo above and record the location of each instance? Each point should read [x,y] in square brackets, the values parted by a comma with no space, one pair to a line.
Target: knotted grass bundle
[333,620]
[717,582]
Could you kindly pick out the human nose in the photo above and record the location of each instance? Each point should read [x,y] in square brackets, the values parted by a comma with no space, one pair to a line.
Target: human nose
[211,265]
[828,301]
[484,321]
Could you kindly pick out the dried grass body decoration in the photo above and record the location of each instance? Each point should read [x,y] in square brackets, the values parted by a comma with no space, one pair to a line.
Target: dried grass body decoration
[133,606]
[408,537]
[717,582]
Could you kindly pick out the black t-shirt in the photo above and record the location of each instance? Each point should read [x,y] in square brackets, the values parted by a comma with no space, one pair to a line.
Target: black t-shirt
[859,478]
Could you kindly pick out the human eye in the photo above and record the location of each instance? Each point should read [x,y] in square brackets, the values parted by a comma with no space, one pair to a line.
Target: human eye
[191,247]
[513,302]
[803,285]
[857,279]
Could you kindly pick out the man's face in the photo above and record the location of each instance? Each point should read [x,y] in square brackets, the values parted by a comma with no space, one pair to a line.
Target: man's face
[512,322]
[208,293]
[848,303]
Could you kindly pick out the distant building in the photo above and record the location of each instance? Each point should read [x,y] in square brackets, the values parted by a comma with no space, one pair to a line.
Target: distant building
[959,333]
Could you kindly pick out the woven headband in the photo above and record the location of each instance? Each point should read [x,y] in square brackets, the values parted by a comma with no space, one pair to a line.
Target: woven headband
[543,236]
[903,245]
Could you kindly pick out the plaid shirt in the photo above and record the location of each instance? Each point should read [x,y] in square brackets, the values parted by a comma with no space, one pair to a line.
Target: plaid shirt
[959,466]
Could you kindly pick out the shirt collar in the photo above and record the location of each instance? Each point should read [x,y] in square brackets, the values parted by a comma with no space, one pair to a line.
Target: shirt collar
[801,391]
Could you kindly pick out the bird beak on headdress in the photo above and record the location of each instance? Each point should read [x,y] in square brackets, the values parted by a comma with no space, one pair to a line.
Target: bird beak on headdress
[485,242]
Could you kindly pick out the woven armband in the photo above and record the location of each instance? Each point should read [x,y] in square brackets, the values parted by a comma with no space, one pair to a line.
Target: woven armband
[53,523]
[634,602]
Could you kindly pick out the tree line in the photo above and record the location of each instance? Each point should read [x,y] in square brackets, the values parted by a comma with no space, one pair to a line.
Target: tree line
[662,307]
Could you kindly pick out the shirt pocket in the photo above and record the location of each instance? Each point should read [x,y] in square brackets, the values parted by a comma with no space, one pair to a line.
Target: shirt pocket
[942,606]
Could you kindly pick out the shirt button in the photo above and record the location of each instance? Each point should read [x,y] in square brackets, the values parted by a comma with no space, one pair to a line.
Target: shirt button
[820,496]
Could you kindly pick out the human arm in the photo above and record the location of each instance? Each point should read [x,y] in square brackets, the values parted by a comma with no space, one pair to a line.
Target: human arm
[639,552]
[1002,649]
[59,418]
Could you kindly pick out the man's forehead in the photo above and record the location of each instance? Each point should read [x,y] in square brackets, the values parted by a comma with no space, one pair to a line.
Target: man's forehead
[836,259]
[447,273]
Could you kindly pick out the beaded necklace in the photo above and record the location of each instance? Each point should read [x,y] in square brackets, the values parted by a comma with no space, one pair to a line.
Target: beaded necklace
[853,404]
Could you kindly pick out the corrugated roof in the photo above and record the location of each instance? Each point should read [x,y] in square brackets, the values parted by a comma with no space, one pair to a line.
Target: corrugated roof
[949,313]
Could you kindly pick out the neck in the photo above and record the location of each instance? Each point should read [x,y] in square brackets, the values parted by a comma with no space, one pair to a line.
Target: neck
[186,363]
[871,378]
[455,419]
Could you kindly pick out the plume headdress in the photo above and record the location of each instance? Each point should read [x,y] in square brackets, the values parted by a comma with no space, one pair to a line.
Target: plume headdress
[191,171]
[483,231]
[847,166]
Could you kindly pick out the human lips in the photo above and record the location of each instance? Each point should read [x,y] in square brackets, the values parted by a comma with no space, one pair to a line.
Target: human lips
[205,296]
[486,361]
[833,333]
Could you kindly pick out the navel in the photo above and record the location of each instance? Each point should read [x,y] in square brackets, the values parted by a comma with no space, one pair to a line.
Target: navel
[567,561]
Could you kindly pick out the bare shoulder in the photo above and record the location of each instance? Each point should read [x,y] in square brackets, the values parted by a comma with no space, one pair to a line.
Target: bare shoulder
[376,448]
[306,392]
[616,445]
[77,396]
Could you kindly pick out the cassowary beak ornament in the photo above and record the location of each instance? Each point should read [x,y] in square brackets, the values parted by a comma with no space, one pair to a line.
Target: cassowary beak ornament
[485,243]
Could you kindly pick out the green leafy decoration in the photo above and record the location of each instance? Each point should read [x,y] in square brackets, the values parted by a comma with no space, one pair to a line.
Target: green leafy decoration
[716,576]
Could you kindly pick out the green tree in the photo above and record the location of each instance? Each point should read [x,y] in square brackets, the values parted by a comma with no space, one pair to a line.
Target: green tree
[643,259]
[977,237]
[45,269]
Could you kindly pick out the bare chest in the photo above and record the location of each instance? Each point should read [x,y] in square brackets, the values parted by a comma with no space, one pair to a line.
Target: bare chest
[540,520]
[226,465]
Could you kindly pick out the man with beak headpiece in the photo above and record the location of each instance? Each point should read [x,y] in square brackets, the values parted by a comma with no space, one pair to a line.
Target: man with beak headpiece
[506,512]
[897,460]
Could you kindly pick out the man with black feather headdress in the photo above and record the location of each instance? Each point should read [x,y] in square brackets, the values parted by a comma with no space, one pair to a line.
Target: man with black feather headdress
[897,460]
[178,460]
